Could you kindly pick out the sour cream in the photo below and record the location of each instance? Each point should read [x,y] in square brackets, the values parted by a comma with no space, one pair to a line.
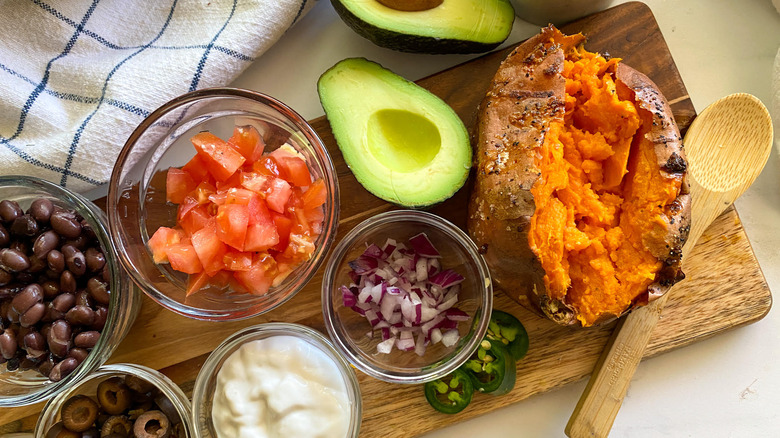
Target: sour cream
[281,386]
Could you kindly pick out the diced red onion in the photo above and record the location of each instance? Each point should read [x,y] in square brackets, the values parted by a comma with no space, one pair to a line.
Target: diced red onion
[423,246]
[405,295]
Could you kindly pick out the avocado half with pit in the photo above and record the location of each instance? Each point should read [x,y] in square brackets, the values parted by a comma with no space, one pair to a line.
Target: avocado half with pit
[453,26]
[402,143]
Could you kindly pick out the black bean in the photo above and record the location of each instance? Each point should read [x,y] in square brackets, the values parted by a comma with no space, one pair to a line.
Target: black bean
[59,338]
[47,363]
[46,242]
[95,259]
[37,265]
[50,289]
[5,238]
[10,210]
[79,354]
[25,277]
[68,282]
[35,344]
[45,329]
[10,314]
[86,339]
[56,261]
[8,344]
[41,209]
[74,260]
[83,299]
[62,369]
[25,299]
[32,315]
[13,260]
[98,290]
[65,224]
[64,302]
[24,225]
[101,314]
[106,274]
[52,314]
[80,315]
[5,278]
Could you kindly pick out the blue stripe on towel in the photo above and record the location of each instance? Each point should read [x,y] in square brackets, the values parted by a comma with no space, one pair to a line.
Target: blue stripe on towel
[300,11]
[109,44]
[202,63]
[77,137]
[42,85]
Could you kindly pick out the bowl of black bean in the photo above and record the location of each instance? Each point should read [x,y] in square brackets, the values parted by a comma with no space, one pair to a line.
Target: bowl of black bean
[64,306]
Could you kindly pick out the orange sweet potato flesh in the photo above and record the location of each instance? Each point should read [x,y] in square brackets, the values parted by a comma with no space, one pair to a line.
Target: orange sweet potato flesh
[605,204]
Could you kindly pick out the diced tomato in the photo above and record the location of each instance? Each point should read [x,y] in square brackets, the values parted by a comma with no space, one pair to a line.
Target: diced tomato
[196,282]
[203,191]
[233,181]
[237,260]
[258,279]
[295,170]
[316,195]
[267,166]
[278,194]
[209,248]
[232,222]
[195,219]
[183,258]
[258,212]
[261,237]
[283,226]
[161,240]
[248,142]
[239,196]
[221,160]
[255,182]
[178,184]
[236,203]
[197,168]
[315,217]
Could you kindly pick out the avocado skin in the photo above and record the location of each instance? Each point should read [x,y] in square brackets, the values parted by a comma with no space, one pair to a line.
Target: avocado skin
[409,43]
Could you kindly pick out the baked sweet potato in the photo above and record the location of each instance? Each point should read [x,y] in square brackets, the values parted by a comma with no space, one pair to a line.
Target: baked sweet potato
[581,203]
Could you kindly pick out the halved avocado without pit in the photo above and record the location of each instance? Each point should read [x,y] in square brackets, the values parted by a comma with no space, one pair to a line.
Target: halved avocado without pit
[402,143]
[449,26]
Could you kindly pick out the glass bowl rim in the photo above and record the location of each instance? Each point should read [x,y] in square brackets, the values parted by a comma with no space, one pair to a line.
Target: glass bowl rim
[464,242]
[213,363]
[309,268]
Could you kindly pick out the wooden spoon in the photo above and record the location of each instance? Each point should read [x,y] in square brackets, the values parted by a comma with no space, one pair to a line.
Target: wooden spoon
[727,146]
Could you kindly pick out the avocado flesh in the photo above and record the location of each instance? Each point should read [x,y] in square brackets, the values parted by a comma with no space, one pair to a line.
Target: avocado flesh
[455,26]
[402,143]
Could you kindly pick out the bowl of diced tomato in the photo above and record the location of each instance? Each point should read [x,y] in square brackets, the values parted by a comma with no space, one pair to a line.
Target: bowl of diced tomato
[223,203]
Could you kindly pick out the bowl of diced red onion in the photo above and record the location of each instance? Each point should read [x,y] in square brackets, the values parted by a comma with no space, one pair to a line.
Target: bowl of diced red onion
[406,297]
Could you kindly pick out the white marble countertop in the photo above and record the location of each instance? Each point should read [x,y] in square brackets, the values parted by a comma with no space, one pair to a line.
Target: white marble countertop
[727,386]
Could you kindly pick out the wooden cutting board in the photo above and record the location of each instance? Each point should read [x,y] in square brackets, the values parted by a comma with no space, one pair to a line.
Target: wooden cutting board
[725,287]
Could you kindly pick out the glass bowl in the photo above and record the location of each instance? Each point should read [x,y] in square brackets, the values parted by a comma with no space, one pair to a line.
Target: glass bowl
[18,387]
[348,329]
[137,198]
[325,358]
[88,386]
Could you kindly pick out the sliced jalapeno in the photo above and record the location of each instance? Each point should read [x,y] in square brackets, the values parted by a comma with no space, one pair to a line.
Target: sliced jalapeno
[492,369]
[450,394]
[508,330]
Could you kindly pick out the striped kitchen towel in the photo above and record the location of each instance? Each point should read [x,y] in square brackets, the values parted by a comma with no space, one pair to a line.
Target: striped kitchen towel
[77,76]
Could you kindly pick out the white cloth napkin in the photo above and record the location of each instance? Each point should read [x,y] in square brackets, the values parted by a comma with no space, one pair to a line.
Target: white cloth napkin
[77,76]
[776,90]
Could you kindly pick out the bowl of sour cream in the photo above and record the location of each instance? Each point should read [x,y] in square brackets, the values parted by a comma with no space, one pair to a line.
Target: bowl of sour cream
[276,380]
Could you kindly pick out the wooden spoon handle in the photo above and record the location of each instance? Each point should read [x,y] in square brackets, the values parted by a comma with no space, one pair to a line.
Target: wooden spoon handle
[601,400]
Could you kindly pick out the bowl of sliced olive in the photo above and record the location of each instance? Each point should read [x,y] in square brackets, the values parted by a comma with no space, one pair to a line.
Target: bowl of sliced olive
[118,401]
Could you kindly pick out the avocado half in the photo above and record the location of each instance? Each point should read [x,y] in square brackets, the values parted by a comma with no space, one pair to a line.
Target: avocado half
[403,143]
[455,26]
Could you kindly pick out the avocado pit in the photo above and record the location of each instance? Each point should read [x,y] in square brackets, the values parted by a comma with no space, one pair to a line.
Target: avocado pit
[411,5]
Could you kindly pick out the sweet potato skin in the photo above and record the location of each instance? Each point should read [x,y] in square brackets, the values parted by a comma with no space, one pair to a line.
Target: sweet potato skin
[526,95]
